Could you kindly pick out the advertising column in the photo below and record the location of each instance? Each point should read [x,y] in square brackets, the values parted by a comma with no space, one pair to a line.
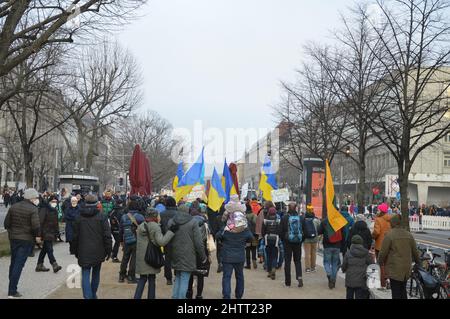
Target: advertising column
[314,181]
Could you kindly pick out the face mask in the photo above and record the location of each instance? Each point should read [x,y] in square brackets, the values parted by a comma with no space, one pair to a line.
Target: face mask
[35,201]
[53,205]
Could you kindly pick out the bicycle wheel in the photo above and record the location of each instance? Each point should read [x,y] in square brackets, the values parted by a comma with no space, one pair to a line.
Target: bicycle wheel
[414,289]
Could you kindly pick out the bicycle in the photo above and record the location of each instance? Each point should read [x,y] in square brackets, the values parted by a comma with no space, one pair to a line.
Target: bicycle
[438,271]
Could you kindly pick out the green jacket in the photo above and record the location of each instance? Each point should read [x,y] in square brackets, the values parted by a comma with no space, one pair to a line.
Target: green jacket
[398,251]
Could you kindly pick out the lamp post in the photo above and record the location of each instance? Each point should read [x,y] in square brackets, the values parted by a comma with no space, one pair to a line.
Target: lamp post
[341,186]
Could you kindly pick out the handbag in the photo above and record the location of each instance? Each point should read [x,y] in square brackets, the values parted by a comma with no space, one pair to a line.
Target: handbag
[153,255]
[210,243]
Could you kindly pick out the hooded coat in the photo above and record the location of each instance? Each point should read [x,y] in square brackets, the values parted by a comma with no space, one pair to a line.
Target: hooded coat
[381,227]
[48,217]
[70,215]
[91,236]
[355,265]
[187,244]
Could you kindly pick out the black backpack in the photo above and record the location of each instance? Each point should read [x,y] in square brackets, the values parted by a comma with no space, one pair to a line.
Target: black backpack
[310,228]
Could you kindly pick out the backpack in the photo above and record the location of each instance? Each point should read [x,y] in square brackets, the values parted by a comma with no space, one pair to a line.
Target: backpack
[336,237]
[295,230]
[129,230]
[310,228]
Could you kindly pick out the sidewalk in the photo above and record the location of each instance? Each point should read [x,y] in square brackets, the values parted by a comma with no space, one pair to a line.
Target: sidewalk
[257,286]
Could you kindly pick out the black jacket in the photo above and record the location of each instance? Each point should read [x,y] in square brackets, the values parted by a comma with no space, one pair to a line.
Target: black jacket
[271,226]
[360,228]
[115,216]
[233,245]
[285,226]
[323,230]
[167,215]
[48,217]
[92,237]
[22,221]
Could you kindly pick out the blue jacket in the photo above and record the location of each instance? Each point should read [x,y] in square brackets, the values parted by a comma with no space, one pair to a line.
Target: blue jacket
[70,214]
[233,245]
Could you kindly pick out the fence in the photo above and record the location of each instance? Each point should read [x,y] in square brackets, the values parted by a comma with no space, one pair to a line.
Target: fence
[429,222]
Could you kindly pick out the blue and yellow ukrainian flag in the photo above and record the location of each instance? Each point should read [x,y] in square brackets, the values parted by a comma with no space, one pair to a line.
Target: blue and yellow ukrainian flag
[216,195]
[268,180]
[191,178]
[178,177]
[227,182]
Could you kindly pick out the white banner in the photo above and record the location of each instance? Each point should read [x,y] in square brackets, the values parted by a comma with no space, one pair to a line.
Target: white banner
[197,192]
[392,187]
[244,191]
[280,195]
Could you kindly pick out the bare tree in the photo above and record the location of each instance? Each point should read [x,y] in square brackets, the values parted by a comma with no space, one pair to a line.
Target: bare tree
[104,88]
[412,110]
[154,134]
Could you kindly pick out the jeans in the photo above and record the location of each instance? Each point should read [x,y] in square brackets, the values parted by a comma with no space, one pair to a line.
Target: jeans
[292,250]
[181,284]
[167,267]
[310,255]
[250,250]
[115,250]
[20,250]
[47,249]
[90,286]
[331,262]
[141,286]
[219,253]
[357,293]
[272,257]
[200,285]
[398,289]
[129,255]
[226,280]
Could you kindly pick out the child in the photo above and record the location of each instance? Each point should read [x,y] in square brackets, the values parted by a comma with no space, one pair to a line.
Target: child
[354,266]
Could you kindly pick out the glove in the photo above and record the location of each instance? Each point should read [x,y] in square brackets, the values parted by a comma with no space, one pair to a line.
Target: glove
[174,227]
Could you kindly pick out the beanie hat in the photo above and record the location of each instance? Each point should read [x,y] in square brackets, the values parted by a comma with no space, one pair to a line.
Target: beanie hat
[30,193]
[151,213]
[272,211]
[91,199]
[360,217]
[357,240]
[383,208]
[52,197]
[310,208]
[396,220]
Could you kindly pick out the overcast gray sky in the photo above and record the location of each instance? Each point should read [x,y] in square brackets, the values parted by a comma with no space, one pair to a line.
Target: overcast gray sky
[221,61]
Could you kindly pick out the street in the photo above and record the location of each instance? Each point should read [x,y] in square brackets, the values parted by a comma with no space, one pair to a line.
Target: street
[437,240]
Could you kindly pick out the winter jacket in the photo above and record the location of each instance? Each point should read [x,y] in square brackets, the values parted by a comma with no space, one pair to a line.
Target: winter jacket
[107,206]
[157,238]
[355,265]
[167,215]
[256,208]
[271,225]
[22,221]
[233,245]
[316,222]
[323,230]
[48,218]
[127,222]
[91,237]
[115,216]
[260,221]
[187,245]
[397,253]
[346,228]
[70,215]
[360,228]
[284,233]
[381,227]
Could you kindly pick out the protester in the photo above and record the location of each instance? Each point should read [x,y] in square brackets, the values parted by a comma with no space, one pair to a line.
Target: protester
[128,227]
[252,246]
[186,247]
[161,205]
[381,227]
[166,215]
[347,227]
[23,226]
[115,216]
[92,245]
[354,266]
[271,231]
[292,235]
[70,215]
[398,251]
[332,243]
[256,208]
[150,229]
[311,234]
[49,227]
[360,228]
[107,203]
[234,237]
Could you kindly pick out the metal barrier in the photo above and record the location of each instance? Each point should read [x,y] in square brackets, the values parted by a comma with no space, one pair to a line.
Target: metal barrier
[429,222]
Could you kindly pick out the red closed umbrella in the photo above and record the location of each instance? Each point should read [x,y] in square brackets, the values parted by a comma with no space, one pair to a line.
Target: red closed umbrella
[140,173]
[233,171]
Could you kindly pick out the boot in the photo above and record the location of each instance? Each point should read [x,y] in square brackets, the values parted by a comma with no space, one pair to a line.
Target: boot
[56,267]
[121,278]
[41,268]
[132,280]
[255,265]
[273,274]
[300,282]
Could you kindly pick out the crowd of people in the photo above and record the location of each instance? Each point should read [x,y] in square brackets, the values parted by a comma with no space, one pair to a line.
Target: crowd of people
[180,238]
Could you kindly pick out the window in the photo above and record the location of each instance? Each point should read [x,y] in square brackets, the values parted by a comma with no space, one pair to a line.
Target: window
[447,159]
[447,138]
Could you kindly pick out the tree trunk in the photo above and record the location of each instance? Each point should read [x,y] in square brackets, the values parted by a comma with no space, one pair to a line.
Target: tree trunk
[90,155]
[403,182]
[361,188]
[28,159]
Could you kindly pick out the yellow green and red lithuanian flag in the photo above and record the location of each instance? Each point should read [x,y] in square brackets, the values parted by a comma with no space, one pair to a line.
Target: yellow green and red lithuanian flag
[335,219]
